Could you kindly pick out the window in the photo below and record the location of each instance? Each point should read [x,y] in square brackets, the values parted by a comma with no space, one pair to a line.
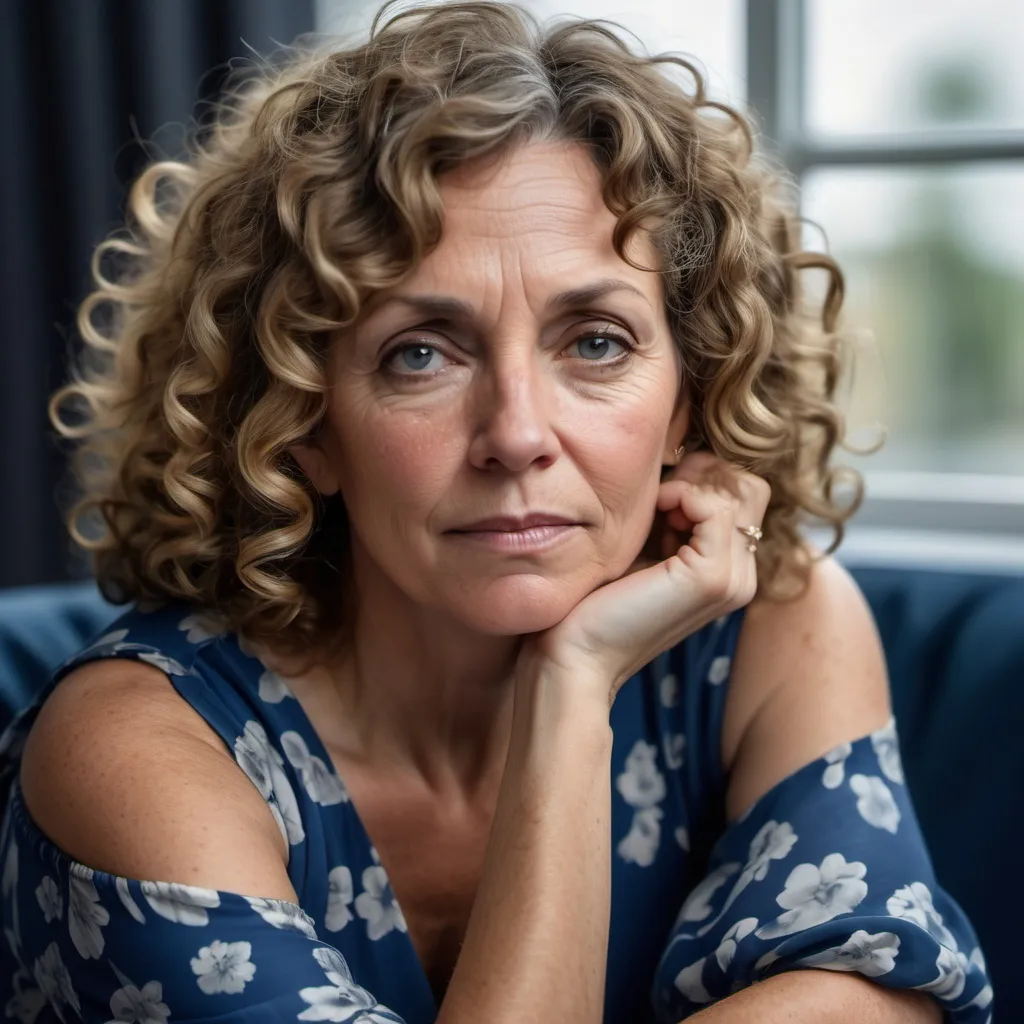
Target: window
[905,126]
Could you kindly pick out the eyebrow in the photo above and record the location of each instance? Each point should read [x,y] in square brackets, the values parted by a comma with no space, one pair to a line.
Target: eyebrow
[446,307]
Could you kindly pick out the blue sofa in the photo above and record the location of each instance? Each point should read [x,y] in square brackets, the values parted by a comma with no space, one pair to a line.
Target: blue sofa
[954,642]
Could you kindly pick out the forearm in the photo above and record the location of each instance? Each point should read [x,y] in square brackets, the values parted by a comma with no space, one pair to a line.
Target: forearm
[820,997]
[536,944]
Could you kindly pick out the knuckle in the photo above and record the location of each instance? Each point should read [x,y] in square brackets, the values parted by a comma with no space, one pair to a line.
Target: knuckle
[760,489]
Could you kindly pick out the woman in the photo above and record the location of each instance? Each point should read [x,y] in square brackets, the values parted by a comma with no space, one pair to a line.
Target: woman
[445,395]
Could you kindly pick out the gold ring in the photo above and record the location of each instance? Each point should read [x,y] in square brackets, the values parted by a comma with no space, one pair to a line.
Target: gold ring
[753,534]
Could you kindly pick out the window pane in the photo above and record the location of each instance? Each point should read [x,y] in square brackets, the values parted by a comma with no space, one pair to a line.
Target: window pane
[934,262]
[710,32]
[877,66]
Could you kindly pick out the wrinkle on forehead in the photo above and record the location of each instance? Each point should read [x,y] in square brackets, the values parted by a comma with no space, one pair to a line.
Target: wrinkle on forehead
[536,216]
[558,179]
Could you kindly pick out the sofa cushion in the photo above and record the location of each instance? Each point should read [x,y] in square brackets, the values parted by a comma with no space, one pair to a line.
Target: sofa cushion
[954,645]
[39,628]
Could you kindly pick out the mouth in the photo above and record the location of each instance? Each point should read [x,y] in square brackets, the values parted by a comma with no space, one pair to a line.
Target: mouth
[519,534]
[516,524]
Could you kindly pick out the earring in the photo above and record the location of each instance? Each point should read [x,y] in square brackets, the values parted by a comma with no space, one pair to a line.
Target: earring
[679,451]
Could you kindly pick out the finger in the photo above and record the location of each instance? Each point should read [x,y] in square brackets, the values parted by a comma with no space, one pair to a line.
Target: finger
[711,544]
[714,522]
[694,507]
[750,513]
[672,494]
[710,471]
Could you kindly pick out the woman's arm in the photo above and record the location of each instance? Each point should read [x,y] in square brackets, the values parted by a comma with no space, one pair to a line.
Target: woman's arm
[809,674]
[544,897]
[123,775]
[820,997]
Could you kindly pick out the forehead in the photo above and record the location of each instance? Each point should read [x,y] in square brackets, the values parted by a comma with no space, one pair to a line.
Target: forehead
[536,213]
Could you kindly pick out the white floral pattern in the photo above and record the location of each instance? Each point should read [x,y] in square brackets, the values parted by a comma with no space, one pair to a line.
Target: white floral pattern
[50,900]
[735,934]
[340,894]
[199,627]
[690,981]
[342,999]
[914,902]
[719,670]
[773,841]
[140,1006]
[265,767]
[224,967]
[273,689]
[27,999]
[182,904]
[640,844]
[875,802]
[377,905]
[320,782]
[282,914]
[669,690]
[166,665]
[952,977]
[114,636]
[697,906]
[887,750]
[127,900]
[674,744]
[836,770]
[867,954]
[814,895]
[642,786]
[86,915]
[54,981]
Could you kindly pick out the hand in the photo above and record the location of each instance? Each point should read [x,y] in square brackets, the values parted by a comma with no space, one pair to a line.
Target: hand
[706,572]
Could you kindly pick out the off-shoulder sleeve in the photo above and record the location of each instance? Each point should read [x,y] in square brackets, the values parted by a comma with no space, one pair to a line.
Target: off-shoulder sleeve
[827,870]
[96,947]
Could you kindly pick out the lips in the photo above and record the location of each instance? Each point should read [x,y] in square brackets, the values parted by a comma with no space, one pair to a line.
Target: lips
[512,524]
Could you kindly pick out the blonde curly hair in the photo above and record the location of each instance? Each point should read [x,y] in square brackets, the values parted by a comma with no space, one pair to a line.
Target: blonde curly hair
[316,185]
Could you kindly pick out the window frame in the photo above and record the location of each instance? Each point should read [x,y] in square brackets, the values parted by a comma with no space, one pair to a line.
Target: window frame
[955,519]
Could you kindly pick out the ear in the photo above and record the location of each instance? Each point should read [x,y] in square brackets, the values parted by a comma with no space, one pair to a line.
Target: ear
[313,461]
[678,428]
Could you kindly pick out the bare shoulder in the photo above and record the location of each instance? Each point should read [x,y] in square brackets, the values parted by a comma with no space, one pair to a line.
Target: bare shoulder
[809,674]
[122,774]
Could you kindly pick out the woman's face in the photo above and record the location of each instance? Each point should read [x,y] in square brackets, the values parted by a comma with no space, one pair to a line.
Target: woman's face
[522,370]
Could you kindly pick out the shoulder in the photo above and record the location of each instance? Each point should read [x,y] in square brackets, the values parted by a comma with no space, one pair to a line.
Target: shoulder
[123,775]
[808,674]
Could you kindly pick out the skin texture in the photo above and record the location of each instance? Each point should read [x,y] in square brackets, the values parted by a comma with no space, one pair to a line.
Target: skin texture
[484,751]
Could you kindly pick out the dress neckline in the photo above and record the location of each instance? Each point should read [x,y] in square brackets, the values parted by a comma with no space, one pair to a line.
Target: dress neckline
[427,1008]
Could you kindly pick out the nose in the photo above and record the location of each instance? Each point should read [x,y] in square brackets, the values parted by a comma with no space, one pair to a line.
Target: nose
[514,429]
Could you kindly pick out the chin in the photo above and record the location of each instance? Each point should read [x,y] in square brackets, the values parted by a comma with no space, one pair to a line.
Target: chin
[519,604]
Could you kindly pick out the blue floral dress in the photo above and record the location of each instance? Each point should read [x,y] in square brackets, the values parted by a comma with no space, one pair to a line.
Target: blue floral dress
[827,870]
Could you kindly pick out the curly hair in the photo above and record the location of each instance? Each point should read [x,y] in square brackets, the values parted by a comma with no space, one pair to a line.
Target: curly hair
[314,185]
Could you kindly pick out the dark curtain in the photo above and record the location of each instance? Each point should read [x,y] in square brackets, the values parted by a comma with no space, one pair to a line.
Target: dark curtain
[82,81]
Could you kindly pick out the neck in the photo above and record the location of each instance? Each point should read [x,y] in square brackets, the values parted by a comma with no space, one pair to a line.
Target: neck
[421,692]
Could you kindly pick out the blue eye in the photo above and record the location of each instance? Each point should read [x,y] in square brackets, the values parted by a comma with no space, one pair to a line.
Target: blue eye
[596,347]
[413,358]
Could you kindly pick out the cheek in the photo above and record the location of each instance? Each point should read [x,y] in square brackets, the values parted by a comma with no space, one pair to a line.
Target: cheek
[621,452]
[396,462]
